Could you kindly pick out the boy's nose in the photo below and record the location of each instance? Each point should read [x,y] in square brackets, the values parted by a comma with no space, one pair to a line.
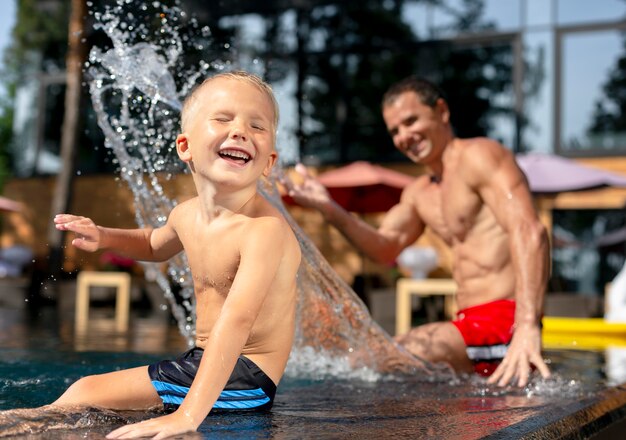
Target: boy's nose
[239,132]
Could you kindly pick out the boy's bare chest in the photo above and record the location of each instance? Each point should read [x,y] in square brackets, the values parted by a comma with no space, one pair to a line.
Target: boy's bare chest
[213,256]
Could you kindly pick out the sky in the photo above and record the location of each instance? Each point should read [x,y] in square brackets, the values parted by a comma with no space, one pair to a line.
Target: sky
[7,18]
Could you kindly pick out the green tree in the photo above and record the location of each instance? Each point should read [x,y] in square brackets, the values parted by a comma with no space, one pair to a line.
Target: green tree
[40,26]
[609,117]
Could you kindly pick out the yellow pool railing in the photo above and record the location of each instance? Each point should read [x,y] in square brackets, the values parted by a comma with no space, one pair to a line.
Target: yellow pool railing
[582,333]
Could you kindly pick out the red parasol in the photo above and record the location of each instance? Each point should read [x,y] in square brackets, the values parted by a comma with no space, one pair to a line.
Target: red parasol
[364,187]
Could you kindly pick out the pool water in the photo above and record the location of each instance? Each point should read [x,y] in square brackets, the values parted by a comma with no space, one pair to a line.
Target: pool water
[331,408]
[40,357]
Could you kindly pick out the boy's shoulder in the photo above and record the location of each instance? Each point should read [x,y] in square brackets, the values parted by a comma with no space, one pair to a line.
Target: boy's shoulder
[183,207]
[268,223]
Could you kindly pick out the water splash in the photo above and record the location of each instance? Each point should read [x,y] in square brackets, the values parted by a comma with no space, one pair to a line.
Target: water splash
[137,102]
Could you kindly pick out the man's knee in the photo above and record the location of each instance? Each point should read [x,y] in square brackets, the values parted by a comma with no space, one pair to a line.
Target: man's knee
[436,342]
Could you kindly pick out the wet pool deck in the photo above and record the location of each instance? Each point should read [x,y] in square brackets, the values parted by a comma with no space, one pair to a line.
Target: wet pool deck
[600,414]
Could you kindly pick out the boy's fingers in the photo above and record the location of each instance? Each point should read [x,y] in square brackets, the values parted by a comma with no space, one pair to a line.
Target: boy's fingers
[84,245]
[60,218]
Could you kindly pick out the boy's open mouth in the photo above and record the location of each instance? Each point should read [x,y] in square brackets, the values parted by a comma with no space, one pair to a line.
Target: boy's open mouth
[235,155]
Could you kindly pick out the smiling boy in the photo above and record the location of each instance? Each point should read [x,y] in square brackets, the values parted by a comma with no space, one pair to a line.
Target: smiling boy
[243,256]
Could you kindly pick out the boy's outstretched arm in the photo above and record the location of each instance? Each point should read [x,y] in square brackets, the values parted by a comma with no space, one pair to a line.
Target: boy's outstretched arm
[145,244]
[264,242]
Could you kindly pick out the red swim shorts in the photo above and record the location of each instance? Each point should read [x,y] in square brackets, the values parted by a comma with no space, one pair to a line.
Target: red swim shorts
[487,330]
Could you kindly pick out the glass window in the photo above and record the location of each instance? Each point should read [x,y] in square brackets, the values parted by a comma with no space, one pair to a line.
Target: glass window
[586,11]
[341,111]
[451,17]
[537,127]
[592,93]
[588,249]
[504,14]
[538,12]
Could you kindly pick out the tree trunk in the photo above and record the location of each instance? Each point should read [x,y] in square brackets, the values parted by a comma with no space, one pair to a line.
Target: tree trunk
[63,189]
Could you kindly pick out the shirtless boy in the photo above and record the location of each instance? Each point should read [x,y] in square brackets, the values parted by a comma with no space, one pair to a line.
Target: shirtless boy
[476,198]
[243,256]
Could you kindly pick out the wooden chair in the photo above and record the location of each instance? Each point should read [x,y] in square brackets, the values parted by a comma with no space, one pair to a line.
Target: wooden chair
[88,279]
[406,287]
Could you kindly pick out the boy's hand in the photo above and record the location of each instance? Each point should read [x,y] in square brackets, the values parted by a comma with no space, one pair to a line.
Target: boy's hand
[157,428]
[87,232]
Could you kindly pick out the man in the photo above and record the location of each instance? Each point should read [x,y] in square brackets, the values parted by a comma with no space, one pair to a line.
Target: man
[476,198]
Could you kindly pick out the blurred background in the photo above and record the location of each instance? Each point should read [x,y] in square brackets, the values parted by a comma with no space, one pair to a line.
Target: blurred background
[543,77]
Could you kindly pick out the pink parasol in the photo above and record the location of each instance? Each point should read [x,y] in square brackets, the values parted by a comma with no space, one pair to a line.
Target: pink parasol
[552,174]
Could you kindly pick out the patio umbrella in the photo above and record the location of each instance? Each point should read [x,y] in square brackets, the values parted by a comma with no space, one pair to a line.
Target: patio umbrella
[548,173]
[363,187]
[9,205]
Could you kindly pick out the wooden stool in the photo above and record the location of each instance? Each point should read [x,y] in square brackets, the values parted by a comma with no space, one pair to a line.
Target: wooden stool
[405,287]
[87,279]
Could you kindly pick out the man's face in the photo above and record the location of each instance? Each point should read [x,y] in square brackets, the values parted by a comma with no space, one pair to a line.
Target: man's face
[229,132]
[417,130]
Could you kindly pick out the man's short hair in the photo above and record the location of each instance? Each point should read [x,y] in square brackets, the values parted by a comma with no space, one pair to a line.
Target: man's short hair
[428,92]
[239,75]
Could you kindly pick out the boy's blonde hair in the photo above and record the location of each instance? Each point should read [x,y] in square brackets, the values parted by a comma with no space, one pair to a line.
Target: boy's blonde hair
[238,75]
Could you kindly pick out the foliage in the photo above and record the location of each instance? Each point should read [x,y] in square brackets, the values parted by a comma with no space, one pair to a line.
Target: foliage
[351,52]
[610,110]
[40,27]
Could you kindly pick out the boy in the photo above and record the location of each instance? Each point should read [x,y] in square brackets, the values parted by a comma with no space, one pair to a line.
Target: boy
[243,256]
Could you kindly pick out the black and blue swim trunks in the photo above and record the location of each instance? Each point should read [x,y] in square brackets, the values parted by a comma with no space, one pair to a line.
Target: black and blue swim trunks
[247,389]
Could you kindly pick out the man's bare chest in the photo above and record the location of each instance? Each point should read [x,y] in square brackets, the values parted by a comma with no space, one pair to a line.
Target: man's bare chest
[450,210]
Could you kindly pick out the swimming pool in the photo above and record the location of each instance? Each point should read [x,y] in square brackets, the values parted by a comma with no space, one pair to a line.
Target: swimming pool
[577,400]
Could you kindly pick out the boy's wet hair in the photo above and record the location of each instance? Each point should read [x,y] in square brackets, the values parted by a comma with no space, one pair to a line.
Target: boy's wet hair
[428,92]
[239,75]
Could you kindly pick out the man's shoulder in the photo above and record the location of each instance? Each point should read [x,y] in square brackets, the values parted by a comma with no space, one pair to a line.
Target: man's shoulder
[480,145]
[482,151]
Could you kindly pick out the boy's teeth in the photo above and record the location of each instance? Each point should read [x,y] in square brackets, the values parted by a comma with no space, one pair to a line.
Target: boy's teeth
[236,155]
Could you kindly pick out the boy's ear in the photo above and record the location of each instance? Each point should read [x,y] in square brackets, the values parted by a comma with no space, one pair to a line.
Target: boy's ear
[271,160]
[182,147]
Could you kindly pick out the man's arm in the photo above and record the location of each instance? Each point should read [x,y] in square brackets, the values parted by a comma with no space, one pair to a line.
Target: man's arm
[503,187]
[264,242]
[145,244]
[399,229]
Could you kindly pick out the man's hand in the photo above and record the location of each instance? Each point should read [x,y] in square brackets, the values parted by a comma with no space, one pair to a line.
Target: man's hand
[88,235]
[524,351]
[310,193]
[157,428]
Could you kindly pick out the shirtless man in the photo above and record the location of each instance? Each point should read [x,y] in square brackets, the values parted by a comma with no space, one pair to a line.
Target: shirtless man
[476,198]
[243,256]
